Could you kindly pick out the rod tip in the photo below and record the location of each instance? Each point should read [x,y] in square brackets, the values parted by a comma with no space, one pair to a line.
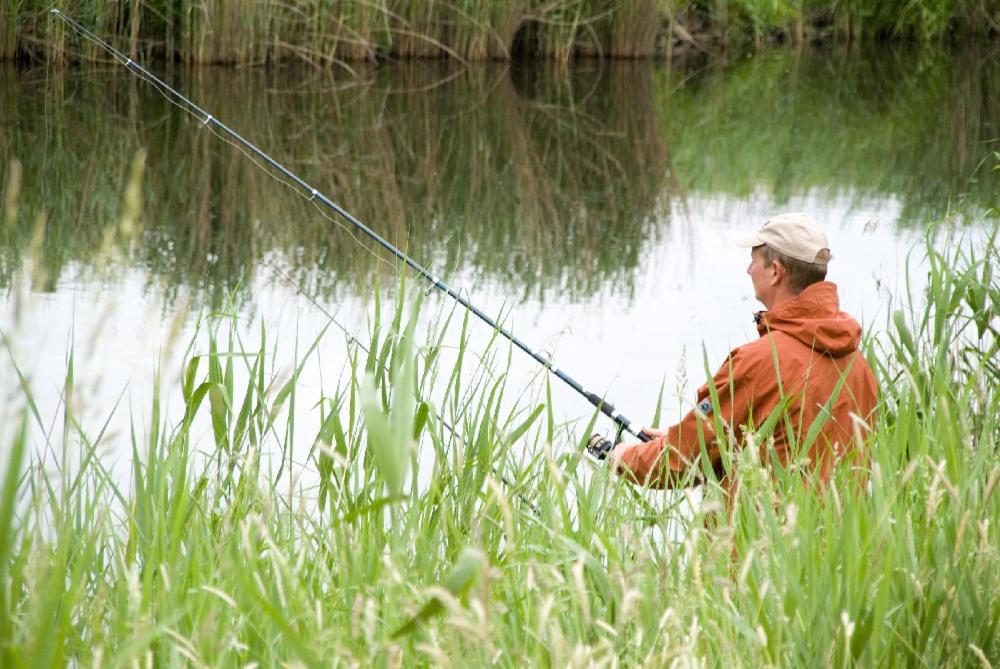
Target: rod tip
[54,11]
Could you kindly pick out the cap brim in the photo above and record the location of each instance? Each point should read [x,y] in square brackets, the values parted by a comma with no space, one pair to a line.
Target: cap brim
[748,241]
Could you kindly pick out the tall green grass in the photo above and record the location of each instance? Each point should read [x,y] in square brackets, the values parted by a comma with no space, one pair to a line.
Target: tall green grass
[338,32]
[397,543]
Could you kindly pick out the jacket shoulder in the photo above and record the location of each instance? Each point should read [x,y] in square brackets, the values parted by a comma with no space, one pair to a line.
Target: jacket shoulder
[763,348]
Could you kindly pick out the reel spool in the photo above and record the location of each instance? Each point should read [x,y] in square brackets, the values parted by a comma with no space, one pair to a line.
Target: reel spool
[598,448]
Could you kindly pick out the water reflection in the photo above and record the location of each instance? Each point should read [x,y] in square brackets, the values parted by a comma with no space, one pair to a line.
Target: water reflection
[916,126]
[540,181]
[552,184]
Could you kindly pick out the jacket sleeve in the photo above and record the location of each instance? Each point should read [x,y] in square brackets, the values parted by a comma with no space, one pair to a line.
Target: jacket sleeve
[663,462]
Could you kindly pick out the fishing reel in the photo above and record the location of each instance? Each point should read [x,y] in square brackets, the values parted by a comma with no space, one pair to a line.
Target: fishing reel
[598,448]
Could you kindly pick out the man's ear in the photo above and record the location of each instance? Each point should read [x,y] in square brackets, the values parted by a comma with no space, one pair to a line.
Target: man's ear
[777,272]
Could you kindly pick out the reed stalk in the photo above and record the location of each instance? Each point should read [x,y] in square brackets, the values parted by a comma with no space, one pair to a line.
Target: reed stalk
[335,32]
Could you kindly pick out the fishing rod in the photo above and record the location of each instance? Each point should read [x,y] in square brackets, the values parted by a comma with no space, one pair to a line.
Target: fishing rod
[313,195]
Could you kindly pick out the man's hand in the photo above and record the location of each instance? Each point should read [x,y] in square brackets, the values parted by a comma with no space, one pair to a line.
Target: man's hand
[617,454]
[618,451]
[615,458]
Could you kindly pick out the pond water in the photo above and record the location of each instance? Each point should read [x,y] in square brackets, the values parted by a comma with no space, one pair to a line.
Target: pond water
[592,207]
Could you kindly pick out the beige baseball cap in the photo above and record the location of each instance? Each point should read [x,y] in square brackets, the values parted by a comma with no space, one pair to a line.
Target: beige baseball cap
[794,234]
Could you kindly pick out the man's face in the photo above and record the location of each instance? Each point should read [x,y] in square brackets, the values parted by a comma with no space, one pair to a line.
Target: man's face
[762,276]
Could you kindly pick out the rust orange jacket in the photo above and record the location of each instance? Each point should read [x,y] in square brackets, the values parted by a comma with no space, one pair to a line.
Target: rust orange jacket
[806,346]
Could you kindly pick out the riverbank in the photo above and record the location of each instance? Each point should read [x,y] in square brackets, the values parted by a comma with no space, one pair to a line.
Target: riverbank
[336,34]
[504,551]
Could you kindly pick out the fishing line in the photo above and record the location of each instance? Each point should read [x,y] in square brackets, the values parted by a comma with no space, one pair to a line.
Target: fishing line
[314,196]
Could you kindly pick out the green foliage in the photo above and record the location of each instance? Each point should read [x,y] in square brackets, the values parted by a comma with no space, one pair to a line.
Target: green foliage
[461,577]
[391,433]
[502,550]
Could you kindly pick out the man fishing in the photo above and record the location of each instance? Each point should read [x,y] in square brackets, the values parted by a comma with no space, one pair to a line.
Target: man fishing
[806,362]
[806,347]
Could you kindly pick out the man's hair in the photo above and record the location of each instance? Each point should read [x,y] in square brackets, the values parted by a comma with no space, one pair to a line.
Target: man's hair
[800,274]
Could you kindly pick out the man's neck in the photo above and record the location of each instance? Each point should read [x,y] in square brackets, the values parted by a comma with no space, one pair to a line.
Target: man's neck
[780,297]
